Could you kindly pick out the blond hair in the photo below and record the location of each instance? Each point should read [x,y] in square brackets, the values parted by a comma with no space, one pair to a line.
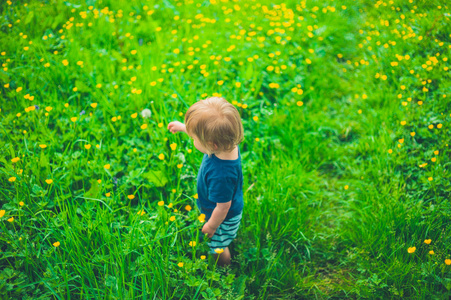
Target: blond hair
[216,123]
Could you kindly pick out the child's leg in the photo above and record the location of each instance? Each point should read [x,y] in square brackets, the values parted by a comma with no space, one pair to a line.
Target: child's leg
[224,258]
[223,236]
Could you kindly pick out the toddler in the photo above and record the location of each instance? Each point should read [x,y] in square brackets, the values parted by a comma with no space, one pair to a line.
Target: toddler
[216,129]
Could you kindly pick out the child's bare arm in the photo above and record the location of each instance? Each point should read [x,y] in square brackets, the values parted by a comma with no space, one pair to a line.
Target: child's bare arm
[176,126]
[218,215]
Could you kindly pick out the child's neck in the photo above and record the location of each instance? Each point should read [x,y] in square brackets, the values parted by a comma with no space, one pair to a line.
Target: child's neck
[232,155]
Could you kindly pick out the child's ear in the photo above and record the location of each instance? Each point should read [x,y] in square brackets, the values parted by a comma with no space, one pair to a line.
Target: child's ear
[214,145]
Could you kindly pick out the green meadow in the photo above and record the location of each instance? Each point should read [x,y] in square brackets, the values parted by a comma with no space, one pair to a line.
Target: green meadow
[346,159]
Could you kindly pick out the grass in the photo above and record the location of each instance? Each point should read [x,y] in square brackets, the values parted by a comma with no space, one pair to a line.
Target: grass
[345,107]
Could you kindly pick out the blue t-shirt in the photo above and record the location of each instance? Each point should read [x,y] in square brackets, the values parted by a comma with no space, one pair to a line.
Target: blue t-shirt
[220,181]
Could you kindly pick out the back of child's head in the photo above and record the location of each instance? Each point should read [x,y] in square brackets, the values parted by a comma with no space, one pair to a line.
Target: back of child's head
[216,123]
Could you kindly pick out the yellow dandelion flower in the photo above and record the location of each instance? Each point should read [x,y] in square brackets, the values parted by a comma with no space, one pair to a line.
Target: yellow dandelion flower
[411,249]
[201,218]
[131,197]
[107,166]
[108,194]
[448,261]
[203,257]
[12,179]
[48,108]
[180,264]
[73,119]
[134,115]
[49,181]
[161,156]
[255,118]
[427,241]
[188,208]
[2,213]
[170,205]
[15,159]
[173,146]
[143,126]
[346,187]
[172,219]
[431,252]
[180,166]
[99,180]
[160,203]
[219,251]
[196,196]
[56,244]
[192,243]
[43,146]
[430,178]
[10,220]
[93,105]
[21,203]
[88,146]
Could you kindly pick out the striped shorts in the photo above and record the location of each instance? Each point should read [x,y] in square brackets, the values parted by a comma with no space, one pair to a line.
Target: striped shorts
[225,234]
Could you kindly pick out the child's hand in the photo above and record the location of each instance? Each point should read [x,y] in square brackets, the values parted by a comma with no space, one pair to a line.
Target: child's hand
[176,126]
[209,230]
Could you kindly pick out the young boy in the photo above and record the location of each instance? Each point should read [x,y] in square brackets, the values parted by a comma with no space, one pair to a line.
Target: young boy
[215,126]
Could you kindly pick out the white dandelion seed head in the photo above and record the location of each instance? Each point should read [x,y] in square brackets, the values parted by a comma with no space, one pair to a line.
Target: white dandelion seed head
[146,113]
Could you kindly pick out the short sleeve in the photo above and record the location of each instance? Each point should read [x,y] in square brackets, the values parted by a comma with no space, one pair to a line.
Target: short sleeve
[220,189]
